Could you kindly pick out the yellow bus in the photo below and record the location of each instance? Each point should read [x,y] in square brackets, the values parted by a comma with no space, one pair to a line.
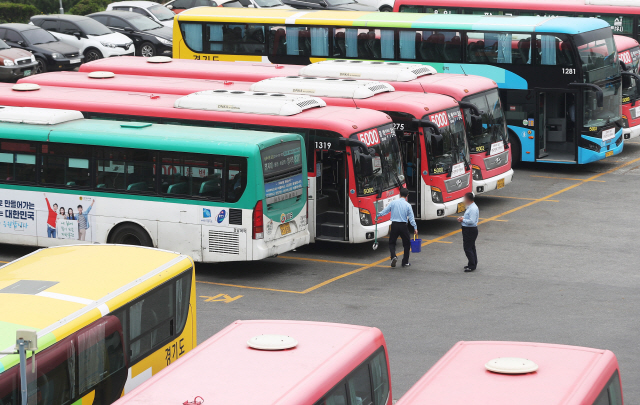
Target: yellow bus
[107,318]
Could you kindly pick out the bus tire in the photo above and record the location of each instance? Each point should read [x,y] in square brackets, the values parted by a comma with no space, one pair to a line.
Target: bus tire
[516,149]
[130,234]
[386,9]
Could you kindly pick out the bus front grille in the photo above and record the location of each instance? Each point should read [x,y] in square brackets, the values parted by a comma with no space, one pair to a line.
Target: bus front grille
[498,160]
[224,242]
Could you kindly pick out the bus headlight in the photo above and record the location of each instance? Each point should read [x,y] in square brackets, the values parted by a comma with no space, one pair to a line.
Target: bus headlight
[436,195]
[477,173]
[365,217]
[625,121]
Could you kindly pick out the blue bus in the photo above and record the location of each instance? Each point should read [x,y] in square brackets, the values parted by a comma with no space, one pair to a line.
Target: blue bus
[559,77]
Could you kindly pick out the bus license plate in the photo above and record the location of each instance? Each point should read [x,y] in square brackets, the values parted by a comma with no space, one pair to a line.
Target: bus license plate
[285,229]
[461,208]
[609,153]
[500,184]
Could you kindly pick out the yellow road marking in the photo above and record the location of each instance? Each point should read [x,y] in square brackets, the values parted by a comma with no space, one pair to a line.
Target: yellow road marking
[499,220]
[567,178]
[249,287]
[321,260]
[515,198]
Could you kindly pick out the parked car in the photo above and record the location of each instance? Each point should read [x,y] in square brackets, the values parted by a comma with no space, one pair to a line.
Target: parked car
[94,40]
[350,5]
[149,37]
[15,63]
[49,51]
[380,5]
[150,9]
[178,6]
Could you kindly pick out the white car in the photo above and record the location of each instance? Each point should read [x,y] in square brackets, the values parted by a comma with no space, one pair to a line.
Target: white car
[94,39]
[150,9]
[381,5]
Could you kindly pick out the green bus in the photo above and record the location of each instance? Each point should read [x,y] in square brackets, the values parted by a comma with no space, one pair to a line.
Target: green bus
[214,194]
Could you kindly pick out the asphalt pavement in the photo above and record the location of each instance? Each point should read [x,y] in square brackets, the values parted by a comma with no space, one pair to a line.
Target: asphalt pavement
[558,263]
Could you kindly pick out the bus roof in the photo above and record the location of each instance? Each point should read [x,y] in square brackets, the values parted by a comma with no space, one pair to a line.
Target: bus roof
[416,104]
[143,135]
[224,370]
[563,25]
[53,291]
[566,375]
[455,85]
[625,43]
[346,121]
[572,6]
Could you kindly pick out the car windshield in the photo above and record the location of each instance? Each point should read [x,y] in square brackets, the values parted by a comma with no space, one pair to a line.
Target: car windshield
[595,116]
[450,147]
[142,23]
[339,2]
[598,54]
[269,3]
[161,13]
[38,36]
[493,122]
[3,45]
[387,161]
[92,27]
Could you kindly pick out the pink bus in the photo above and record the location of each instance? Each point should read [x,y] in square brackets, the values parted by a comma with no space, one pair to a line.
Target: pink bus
[507,373]
[490,159]
[276,362]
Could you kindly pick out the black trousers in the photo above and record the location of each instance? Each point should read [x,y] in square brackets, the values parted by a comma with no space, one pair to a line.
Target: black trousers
[400,229]
[469,236]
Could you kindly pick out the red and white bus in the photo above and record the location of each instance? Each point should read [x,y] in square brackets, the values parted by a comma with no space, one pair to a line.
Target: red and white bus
[506,373]
[276,362]
[430,127]
[622,15]
[338,162]
[490,152]
[629,55]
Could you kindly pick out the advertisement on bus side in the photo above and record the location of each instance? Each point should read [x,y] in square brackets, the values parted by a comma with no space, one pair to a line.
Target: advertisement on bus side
[54,216]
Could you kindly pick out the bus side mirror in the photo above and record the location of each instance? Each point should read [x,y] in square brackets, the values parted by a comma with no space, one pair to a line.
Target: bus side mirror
[476,125]
[623,66]
[627,77]
[592,87]
[366,164]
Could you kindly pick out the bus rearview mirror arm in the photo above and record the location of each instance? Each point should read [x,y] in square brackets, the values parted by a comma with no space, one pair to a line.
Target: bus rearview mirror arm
[354,143]
[591,86]
[470,106]
[428,124]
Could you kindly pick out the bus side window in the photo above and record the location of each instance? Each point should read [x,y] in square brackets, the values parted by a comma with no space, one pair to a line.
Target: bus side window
[183,295]
[66,165]
[17,161]
[554,50]
[338,396]
[192,34]
[359,385]
[236,178]
[610,394]
[439,46]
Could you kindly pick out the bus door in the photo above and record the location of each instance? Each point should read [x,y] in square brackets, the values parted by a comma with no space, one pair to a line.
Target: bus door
[556,139]
[410,150]
[332,198]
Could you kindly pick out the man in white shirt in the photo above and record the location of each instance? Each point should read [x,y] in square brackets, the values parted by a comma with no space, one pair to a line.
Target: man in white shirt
[469,224]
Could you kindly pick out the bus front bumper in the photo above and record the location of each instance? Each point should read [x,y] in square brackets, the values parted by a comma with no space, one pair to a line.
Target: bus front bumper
[436,210]
[262,249]
[629,133]
[490,184]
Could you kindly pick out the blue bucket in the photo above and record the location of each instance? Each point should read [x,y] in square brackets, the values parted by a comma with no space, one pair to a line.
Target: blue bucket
[416,245]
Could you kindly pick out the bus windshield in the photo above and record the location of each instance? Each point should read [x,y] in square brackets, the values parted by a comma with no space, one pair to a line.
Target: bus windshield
[594,116]
[597,51]
[450,147]
[493,122]
[387,162]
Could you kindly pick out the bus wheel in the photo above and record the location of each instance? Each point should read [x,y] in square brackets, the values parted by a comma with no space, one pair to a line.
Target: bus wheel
[130,234]
[516,149]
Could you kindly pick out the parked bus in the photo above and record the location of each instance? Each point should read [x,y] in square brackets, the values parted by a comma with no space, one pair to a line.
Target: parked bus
[107,317]
[277,362]
[622,15]
[504,373]
[338,162]
[431,125]
[629,54]
[491,167]
[215,194]
[559,77]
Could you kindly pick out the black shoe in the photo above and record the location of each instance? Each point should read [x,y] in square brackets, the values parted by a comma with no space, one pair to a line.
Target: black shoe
[406,265]
[468,269]
[394,260]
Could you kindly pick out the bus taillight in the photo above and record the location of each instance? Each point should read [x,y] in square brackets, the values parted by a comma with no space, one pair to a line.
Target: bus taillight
[258,228]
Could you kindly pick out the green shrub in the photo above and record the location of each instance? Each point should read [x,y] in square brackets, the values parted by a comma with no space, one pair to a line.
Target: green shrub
[16,13]
[84,7]
[47,6]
